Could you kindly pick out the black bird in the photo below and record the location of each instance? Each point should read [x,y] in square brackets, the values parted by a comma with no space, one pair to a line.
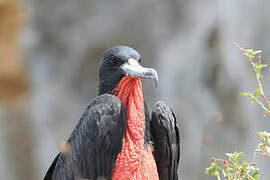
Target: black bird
[116,138]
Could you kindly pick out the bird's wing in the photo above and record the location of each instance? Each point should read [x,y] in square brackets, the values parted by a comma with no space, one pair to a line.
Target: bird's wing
[147,132]
[94,144]
[166,141]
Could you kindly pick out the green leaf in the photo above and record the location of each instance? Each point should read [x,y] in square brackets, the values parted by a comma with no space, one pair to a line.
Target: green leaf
[249,52]
[260,148]
[265,136]
[252,101]
[257,93]
[256,174]
[257,52]
[245,94]
[244,166]
[227,171]
[213,170]
[262,66]
[235,157]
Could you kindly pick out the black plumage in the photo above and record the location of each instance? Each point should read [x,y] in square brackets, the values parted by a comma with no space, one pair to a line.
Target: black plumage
[97,139]
[165,135]
[94,143]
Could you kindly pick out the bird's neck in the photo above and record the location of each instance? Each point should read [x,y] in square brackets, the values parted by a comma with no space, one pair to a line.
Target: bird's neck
[129,91]
[135,161]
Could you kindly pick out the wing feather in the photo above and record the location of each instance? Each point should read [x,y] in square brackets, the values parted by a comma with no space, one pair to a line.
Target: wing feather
[165,137]
[94,144]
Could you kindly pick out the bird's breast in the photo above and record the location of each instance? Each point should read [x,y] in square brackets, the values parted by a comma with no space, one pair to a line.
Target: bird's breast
[133,165]
[135,161]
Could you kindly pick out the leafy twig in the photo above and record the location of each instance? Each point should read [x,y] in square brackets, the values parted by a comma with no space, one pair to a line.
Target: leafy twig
[255,58]
[235,168]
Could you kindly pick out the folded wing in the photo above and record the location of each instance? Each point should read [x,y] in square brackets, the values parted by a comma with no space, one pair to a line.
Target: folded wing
[94,144]
[165,137]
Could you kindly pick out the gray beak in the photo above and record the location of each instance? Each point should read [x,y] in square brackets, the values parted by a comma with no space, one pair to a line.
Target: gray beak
[134,69]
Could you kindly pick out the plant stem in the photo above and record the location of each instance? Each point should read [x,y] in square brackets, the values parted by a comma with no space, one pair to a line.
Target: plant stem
[263,96]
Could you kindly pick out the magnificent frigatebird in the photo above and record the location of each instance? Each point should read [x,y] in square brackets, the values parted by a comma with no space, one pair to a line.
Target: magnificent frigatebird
[116,138]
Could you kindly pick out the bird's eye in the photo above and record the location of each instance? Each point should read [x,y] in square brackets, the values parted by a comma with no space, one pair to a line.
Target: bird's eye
[139,60]
[114,61]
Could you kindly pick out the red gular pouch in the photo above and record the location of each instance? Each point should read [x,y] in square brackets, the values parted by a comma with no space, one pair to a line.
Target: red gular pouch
[134,161]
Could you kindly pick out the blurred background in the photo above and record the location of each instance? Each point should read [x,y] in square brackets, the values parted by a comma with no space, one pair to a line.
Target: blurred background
[50,52]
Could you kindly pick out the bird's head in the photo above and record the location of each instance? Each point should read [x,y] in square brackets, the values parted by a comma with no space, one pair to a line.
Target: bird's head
[118,62]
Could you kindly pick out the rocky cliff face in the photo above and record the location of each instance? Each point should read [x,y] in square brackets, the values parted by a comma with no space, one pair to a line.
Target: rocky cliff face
[190,43]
